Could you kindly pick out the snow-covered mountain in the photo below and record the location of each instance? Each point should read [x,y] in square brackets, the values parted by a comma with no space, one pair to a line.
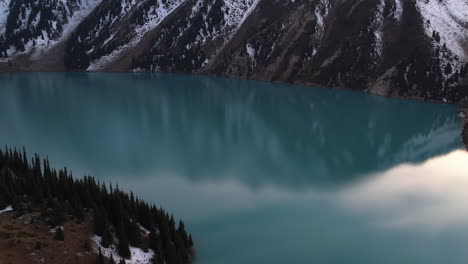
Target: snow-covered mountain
[35,26]
[408,48]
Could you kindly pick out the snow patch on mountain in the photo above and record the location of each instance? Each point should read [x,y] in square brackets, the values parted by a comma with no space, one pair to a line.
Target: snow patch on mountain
[6,209]
[4,11]
[234,12]
[398,10]
[377,27]
[138,256]
[321,12]
[238,11]
[450,19]
[250,51]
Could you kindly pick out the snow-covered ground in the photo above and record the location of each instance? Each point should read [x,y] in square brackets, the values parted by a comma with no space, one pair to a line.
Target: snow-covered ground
[7,209]
[450,19]
[138,255]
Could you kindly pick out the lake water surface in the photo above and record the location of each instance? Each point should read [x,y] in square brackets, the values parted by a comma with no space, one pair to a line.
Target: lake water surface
[260,172]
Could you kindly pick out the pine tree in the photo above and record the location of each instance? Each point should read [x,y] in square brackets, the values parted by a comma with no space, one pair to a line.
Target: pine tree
[111,261]
[106,239]
[99,222]
[87,246]
[100,258]
[59,234]
[123,246]
[448,69]
[2,201]
[134,236]
[190,241]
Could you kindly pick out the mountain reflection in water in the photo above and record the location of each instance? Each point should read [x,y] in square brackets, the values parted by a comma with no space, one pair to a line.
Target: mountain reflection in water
[261,172]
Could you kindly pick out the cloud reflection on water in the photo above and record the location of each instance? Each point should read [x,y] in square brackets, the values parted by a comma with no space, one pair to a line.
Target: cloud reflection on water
[432,195]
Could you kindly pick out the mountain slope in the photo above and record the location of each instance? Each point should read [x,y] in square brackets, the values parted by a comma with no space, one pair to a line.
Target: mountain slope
[407,48]
[35,26]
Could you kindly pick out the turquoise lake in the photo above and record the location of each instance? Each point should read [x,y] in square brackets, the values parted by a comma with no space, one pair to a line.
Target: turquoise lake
[260,172]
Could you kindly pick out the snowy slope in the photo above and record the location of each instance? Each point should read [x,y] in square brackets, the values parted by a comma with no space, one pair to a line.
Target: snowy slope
[234,14]
[450,19]
[151,17]
[4,11]
[38,25]
[138,255]
[197,36]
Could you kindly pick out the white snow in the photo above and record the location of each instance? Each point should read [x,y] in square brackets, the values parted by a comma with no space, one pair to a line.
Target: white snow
[138,256]
[86,7]
[53,230]
[450,19]
[143,230]
[398,9]
[377,27]
[4,11]
[238,11]
[321,12]
[250,51]
[7,209]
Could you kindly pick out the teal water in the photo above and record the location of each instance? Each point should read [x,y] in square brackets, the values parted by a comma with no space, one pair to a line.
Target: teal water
[260,172]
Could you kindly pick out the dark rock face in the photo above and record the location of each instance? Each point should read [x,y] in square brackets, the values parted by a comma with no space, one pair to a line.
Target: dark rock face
[407,48]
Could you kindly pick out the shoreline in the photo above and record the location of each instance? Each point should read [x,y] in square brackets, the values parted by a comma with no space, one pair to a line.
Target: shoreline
[463,113]
[304,84]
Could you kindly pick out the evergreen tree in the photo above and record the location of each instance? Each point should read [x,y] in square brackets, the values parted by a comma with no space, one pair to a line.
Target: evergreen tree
[59,234]
[123,246]
[112,261]
[2,201]
[134,236]
[448,69]
[32,183]
[58,215]
[100,258]
[87,246]
[99,222]
[106,239]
